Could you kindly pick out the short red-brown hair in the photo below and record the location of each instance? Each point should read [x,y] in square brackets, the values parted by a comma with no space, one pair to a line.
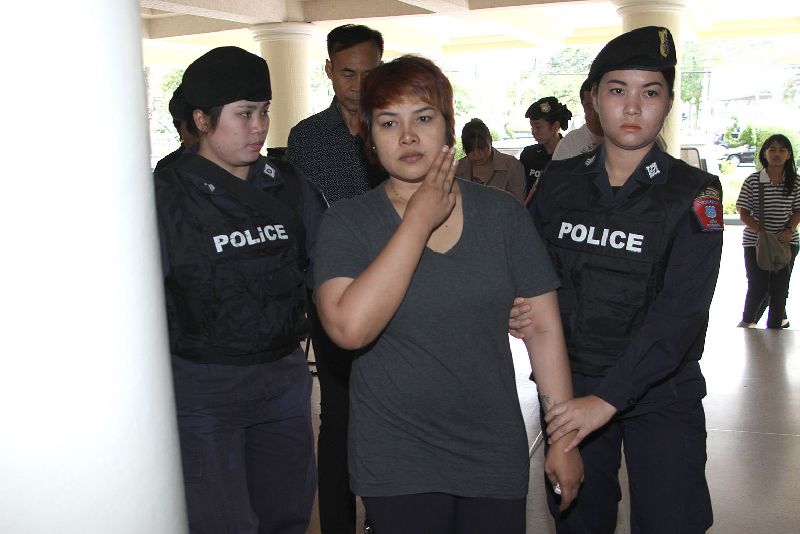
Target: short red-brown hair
[400,78]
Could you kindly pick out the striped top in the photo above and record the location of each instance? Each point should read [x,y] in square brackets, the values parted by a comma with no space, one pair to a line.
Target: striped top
[778,206]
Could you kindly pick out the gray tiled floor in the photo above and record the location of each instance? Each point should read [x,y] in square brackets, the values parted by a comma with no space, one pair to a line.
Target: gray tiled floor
[752,410]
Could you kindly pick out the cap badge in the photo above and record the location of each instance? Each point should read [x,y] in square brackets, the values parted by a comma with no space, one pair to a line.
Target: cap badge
[652,170]
[545,107]
[663,48]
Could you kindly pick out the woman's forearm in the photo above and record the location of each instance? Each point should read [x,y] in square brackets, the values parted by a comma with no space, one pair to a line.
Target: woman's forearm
[794,220]
[355,311]
[748,220]
[544,339]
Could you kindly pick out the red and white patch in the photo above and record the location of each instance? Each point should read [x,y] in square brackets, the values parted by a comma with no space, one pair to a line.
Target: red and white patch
[708,210]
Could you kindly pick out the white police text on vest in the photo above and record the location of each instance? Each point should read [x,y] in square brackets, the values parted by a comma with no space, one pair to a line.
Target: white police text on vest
[601,237]
[247,238]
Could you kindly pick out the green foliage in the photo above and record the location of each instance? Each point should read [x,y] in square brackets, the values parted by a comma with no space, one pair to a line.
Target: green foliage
[749,135]
[732,133]
[459,149]
[729,204]
[731,185]
[692,79]
[523,93]
[565,72]
[726,167]
[171,81]
[462,101]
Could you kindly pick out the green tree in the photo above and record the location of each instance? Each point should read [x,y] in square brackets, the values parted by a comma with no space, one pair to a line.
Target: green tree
[565,72]
[462,101]
[692,76]
[523,93]
[171,81]
[733,133]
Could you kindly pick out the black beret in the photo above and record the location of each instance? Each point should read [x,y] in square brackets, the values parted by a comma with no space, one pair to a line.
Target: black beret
[177,105]
[224,75]
[648,48]
[547,108]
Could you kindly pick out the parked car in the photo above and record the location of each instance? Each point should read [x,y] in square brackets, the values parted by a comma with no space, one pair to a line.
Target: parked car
[740,154]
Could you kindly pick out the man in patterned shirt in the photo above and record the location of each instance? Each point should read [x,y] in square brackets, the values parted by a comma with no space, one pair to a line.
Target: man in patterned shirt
[327,148]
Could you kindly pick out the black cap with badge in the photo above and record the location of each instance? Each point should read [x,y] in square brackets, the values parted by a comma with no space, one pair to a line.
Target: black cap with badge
[224,75]
[550,109]
[649,48]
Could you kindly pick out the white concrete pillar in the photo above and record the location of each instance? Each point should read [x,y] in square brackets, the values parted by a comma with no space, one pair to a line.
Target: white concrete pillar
[287,48]
[88,439]
[669,14]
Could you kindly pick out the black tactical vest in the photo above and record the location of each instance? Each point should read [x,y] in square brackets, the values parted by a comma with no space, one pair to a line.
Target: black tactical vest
[235,279]
[612,260]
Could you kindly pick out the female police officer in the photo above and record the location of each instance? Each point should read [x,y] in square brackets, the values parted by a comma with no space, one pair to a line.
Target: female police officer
[547,116]
[635,236]
[234,229]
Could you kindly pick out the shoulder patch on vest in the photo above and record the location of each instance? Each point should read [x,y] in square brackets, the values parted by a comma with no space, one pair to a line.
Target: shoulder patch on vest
[708,210]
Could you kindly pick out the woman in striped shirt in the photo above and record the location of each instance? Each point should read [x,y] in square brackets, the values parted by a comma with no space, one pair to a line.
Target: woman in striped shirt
[781,217]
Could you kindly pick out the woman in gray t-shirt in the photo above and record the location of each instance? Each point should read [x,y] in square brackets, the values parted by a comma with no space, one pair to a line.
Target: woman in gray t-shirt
[421,273]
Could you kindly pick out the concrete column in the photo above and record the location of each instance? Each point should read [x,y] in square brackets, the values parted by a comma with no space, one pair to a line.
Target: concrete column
[669,14]
[287,48]
[89,441]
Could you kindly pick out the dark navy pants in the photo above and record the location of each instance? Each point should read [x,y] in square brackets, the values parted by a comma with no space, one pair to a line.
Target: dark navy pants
[765,288]
[665,454]
[247,445]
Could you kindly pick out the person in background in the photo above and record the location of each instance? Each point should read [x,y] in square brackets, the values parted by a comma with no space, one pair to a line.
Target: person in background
[235,228]
[587,137]
[486,165]
[778,181]
[177,108]
[636,239]
[419,274]
[547,116]
[327,148]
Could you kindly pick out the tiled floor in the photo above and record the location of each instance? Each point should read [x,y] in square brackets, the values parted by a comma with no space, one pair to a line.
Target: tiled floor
[752,410]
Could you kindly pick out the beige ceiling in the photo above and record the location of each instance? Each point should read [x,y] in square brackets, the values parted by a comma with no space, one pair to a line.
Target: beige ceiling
[177,31]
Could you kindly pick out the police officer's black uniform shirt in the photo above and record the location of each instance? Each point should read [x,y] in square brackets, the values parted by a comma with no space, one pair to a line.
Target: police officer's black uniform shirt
[234,269]
[170,158]
[534,158]
[655,362]
[261,177]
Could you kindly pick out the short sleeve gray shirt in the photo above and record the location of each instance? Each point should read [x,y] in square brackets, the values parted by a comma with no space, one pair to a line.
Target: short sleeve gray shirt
[434,406]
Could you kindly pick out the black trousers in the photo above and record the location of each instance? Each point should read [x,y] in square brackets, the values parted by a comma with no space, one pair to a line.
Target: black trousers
[247,445]
[441,513]
[766,288]
[665,454]
[337,505]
